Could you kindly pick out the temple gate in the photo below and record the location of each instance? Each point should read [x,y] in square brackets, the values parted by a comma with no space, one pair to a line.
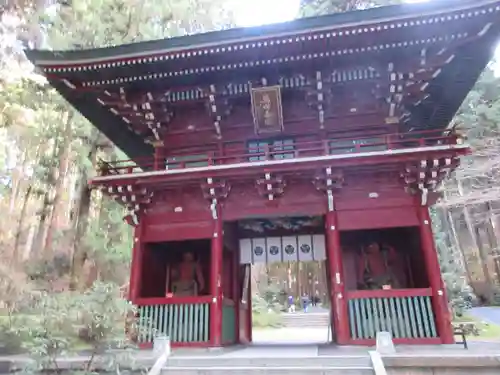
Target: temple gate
[343,117]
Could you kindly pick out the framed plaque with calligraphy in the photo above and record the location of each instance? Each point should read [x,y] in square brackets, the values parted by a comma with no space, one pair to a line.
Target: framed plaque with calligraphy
[267,109]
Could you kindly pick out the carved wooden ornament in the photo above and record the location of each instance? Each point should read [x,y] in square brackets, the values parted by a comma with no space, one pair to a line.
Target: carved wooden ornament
[267,109]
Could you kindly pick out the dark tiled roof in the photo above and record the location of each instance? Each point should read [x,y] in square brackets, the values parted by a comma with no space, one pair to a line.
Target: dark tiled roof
[368,16]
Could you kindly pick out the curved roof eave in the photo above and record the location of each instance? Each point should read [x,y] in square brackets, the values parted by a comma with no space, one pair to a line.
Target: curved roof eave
[130,143]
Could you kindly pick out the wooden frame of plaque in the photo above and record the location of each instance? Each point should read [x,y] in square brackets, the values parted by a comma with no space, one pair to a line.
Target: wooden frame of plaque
[267,109]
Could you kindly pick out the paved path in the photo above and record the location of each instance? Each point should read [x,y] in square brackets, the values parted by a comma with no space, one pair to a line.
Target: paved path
[289,336]
[488,314]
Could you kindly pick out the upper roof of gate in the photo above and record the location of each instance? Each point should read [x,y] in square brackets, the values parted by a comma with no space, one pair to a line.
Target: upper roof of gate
[460,35]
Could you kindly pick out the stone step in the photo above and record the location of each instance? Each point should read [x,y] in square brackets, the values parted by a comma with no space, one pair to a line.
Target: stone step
[306,320]
[295,361]
[266,370]
[324,319]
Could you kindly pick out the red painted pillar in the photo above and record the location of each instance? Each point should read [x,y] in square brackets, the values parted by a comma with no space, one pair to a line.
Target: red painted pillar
[136,266]
[338,300]
[439,298]
[249,305]
[236,291]
[157,161]
[215,282]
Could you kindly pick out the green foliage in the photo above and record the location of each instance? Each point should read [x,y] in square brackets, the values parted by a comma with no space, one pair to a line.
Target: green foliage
[274,296]
[264,316]
[10,339]
[95,318]
[77,25]
[12,294]
[496,298]
[48,269]
[109,237]
[479,115]
[47,330]
[460,294]
[102,317]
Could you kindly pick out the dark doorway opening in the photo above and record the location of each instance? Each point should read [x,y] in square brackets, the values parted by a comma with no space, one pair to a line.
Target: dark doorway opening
[376,258]
[161,265]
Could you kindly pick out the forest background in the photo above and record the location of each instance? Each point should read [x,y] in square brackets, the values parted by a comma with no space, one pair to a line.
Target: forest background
[57,234]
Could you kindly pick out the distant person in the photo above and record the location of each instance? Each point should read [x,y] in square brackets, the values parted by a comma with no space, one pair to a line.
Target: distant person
[291,304]
[305,302]
[315,299]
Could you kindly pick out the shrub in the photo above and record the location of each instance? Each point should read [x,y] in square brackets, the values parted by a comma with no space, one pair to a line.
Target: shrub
[469,328]
[48,269]
[12,295]
[496,297]
[10,340]
[264,316]
[95,318]
[102,317]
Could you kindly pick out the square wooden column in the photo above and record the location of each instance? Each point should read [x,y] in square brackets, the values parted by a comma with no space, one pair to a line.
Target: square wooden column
[236,291]
[158,162]
[439,298]
[338,301]
[216,280]
[136,266]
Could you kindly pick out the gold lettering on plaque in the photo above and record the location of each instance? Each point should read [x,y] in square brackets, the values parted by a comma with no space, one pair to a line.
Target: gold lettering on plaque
[267,109]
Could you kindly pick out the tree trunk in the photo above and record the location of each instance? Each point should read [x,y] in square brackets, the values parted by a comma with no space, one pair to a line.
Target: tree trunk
[45,211]
[297,278]
[42,226]
[29,243]
[452,240]
[20,225]
[483,256]
[17,177]
[458,245]
[63,157]
[80,252]
[474,235]
[493,239]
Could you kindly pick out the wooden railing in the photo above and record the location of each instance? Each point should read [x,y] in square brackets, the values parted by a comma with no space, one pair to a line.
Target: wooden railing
[183,320]
[200,157]
[406,313]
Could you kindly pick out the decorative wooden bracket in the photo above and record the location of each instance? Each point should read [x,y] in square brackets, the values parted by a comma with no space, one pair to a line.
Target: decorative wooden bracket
[215,192]
[318,96]
[424,178]
[327,182]
[144,113]
[214,111]
[270,186]
[136,200]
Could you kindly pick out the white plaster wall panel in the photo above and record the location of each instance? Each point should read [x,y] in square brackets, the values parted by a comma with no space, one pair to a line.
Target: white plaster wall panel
[274,250]
[259,250]
[305,248]
[245,251]
[289,245]
[319,246]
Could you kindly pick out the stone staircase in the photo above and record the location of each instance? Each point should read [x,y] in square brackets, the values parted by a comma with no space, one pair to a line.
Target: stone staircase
[306,320]
[221,365]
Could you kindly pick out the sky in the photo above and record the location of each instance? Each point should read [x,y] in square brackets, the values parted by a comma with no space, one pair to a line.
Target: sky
[262,12]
